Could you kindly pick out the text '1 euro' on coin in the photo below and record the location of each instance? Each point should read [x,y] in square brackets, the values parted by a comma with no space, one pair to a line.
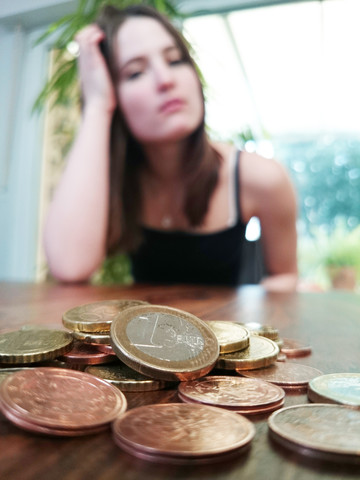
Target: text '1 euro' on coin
[165,343]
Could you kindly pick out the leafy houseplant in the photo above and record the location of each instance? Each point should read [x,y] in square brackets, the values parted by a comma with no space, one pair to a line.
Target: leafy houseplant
[331,259]
[342,258]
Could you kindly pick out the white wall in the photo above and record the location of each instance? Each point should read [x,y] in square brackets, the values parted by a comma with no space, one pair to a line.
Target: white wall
[23,70]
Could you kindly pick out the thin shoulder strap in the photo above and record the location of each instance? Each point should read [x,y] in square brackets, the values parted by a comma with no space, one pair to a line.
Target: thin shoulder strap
[237,185]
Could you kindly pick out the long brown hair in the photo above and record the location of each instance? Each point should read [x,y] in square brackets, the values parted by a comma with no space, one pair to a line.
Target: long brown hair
[201,164]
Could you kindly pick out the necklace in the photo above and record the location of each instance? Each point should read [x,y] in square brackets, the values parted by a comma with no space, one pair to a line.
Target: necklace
[167,221]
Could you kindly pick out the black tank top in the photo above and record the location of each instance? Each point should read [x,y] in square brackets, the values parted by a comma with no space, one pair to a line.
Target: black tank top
[183,257]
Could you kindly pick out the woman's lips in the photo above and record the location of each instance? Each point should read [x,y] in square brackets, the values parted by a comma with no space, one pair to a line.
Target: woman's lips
[171,105]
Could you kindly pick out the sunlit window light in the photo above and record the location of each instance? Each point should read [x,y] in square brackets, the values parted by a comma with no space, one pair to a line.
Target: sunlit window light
[253,230]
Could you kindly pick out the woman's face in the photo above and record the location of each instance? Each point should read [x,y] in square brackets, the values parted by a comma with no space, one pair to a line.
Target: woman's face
[159,94]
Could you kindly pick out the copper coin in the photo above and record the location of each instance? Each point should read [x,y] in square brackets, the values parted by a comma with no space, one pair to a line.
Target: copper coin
[183,460]
[97,316]
[231,336]
[33,427]
[86,354]
[183,430]
[164,343]
[105,348]
[232,392]
[261,352]
[287,375]
[127,379]
[330,432]
[342,388]
[293,348]
[33,345]
[5,372]
[60,398]
[242,410]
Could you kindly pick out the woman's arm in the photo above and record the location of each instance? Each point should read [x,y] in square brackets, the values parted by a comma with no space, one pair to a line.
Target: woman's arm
[76,225]
[268,194]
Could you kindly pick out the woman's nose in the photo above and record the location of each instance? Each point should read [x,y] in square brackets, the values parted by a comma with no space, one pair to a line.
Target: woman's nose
[164,76]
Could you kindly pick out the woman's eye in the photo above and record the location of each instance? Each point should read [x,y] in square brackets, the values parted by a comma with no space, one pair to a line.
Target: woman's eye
[133,75]
[176,61]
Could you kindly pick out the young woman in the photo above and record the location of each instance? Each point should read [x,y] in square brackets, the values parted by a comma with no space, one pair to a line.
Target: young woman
[144,178]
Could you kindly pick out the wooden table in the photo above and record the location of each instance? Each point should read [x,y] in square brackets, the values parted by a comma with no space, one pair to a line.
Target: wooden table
[330,322]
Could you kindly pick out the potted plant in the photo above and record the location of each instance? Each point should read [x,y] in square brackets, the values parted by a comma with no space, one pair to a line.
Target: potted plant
[342,258]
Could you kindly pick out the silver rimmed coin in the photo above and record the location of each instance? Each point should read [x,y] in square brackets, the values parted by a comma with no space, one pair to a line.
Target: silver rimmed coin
[231,336]
[322,431]
[96,316]
[164,343]
[261,352]
[342,388]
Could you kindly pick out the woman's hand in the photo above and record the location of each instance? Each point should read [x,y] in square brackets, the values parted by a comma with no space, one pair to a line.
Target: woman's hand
[96,83]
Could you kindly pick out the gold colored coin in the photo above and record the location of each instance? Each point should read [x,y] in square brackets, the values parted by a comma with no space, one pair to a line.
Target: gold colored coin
[260,353]
[231,336]
[92,338]
[164,343]
[97,316]
[267,331]
[33,345]
[127,379]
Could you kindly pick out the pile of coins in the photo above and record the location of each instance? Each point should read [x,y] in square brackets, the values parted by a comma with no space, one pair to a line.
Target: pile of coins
[224,373]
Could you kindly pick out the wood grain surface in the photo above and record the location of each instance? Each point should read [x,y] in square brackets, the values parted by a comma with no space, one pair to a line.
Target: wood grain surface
[329,322]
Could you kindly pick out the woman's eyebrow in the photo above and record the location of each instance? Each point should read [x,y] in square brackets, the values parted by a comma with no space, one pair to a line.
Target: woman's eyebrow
[142,58]
[132,60]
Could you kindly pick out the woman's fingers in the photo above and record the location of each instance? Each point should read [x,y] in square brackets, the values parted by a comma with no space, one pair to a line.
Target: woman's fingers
[94,75]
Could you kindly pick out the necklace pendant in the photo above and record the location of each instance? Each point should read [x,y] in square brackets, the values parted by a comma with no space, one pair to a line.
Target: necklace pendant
[166,221]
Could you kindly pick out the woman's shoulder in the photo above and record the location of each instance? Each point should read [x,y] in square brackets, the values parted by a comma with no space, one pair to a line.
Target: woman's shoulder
[256,172]
[261,173]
